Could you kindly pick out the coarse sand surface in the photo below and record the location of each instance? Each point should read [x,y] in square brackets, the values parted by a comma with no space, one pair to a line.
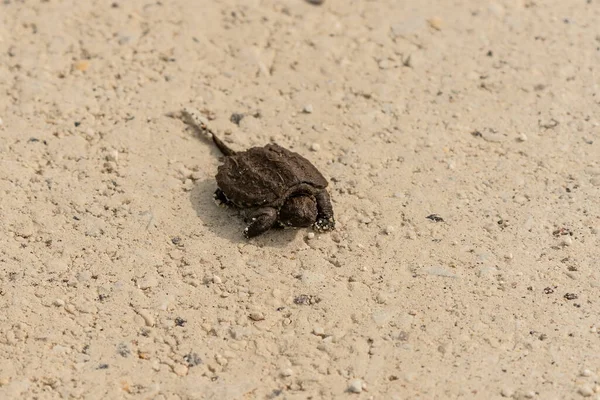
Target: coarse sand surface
[461,142]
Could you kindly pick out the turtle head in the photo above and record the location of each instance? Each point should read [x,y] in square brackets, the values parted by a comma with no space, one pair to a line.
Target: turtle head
[299,211]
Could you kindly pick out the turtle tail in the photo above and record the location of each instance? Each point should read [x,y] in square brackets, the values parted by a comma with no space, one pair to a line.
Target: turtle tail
[222,146]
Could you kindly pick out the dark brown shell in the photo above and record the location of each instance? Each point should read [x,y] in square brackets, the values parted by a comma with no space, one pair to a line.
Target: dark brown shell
[266,176]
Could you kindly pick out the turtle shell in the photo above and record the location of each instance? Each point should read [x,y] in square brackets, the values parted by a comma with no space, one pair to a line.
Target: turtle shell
[266,176]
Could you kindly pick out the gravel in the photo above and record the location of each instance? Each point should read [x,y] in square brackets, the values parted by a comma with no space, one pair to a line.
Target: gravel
[355,386]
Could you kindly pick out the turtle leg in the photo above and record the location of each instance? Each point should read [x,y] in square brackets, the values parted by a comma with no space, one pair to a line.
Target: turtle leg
[221,199]
[325,220]
[262,220]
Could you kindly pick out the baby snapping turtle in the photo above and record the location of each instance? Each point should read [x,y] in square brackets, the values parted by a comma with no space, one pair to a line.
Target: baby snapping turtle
[274,187]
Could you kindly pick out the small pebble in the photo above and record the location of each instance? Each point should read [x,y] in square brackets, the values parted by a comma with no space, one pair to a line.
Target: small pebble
[58,302]
[308,109]
[180,369]
[389,230]
[566,241]
[507,392]
[529,395]
[435,23]
[287,372]
[381,298]
[256,316]
[222,361]
[522,137]
[113,156]
[586,372]
[336,237]
[315,147]
[586,391]
[216,279]
[519,199]
[355,386]
[148,318]
[236,118]
[310,235]
[82,65]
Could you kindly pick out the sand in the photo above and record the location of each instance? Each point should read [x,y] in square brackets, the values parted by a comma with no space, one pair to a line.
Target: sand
[121,279]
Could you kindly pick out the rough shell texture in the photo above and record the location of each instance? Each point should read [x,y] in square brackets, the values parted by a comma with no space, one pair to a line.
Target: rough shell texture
[265,176]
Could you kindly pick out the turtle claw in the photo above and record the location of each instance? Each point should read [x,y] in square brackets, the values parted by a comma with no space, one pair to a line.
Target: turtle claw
[220,199]
[324,224]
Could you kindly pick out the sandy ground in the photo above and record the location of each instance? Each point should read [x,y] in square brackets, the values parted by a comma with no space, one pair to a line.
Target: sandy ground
[120,278]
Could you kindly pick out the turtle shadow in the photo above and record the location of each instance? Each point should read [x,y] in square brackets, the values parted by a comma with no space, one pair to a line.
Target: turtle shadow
[228,223]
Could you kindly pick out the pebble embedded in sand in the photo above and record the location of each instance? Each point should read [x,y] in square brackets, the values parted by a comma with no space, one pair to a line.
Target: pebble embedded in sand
[315,147]
[335,236]
[586,391]
[221,360]
[520,199]
[586,372]
[180,369]
[310,235]
[148,318]
[85,307]
[388,230]
[355,386]
[436,23]
[217,280]
[286,372]
[506,392]
[59,302]
[307,109]
[256,316]
[318,331]
[82,65]
[381,298]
